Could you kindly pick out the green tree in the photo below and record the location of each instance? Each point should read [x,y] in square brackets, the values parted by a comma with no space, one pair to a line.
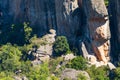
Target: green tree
[27,31]
[61,46]
[78,63]
[9,57]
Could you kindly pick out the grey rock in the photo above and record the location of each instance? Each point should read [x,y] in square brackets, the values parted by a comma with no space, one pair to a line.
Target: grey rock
[111,66]
[72,74]
[69,57]
[98,24]
[20,78]
[84,50]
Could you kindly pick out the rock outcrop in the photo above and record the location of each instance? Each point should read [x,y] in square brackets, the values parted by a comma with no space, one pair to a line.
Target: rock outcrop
[72,74]
[45,48]
[98,23]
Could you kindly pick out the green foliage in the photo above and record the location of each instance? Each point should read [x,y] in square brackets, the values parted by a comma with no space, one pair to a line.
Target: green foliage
[78,63]
[81,77]
[3,76]
[117,74]
[40,72]
[9,57]
[25,67]
[25,49]
[53,63]
[61,46]
[16,34]
[27,31]
[106,2]
[100,73]
[54,78]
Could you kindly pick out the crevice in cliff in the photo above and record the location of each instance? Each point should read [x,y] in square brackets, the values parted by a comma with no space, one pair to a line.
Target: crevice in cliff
[114,31]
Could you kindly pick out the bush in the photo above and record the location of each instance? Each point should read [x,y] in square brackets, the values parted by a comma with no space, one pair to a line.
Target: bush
[9,57]
[4,76]
[54,78]
[81,77]
[53,63]
[100,73]
[106,2]
[61,46]
[40,72]
[117,74]
[78,63]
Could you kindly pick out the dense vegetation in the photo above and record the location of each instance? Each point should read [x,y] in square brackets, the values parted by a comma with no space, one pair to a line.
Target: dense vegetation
[15,60]
[78,63]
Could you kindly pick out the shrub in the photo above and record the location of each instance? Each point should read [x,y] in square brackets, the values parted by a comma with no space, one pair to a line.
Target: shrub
[81,77]
[78,63]
[40,72]
[9,57]
[117,74]
[53,63]
[54,78]
[106,2]
[61,46]
[100,73]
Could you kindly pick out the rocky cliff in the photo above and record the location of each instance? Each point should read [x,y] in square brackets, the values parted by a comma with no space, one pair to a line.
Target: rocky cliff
[114,10]
[98,24]
[81,21]
[42,14]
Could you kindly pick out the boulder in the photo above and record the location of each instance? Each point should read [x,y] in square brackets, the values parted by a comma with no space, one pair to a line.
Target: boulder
[91,59]
[45,58]
[36,62]
[20,78]
[69,57]
[111,66]
[72,74]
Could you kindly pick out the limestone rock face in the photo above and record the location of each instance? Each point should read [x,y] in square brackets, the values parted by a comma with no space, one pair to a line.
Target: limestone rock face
[42,15]
[98,23]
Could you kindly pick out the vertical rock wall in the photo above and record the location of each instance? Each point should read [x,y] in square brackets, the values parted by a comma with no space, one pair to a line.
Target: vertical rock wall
[114,10]
[98,23]
[42,15]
